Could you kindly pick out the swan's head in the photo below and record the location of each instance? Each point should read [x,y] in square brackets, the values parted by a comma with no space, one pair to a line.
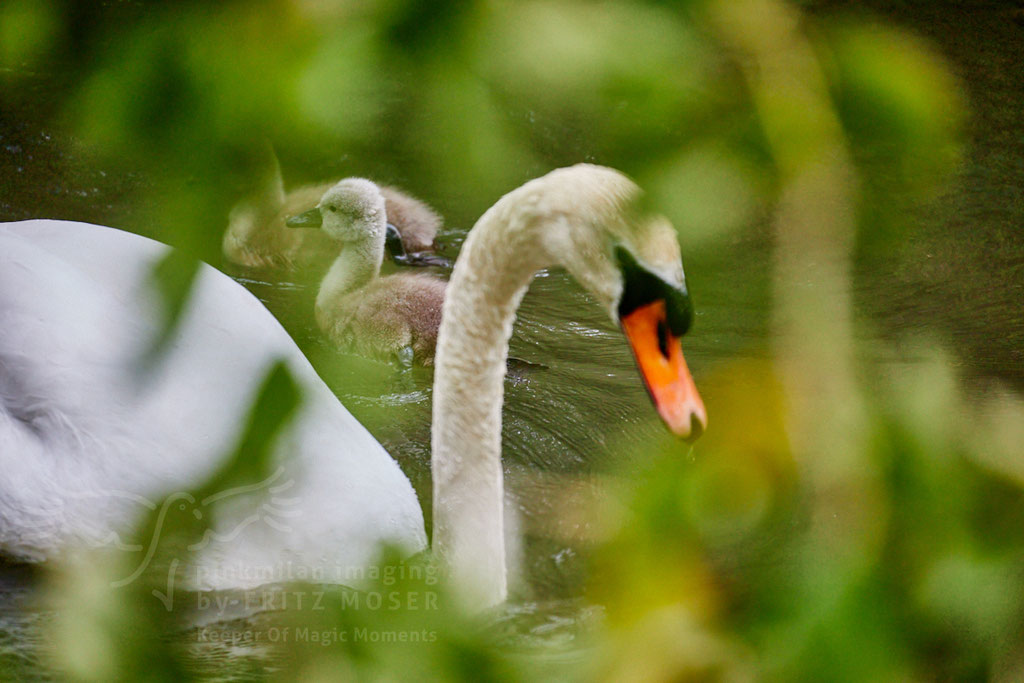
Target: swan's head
[630,262]
[351,211]
[654,311]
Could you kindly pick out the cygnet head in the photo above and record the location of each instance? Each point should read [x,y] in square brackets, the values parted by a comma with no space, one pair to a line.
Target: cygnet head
[351,211]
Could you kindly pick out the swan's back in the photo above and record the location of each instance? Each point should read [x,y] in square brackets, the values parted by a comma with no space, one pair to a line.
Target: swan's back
[417,223]
[85,439]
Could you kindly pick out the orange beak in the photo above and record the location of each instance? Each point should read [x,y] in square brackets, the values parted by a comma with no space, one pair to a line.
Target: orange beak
[659,356]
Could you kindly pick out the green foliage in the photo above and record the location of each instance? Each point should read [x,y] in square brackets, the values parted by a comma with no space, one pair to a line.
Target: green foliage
[902,110]
[172,278]
[117,611]
[27,30]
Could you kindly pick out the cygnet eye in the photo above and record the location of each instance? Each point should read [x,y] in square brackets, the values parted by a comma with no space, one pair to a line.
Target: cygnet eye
[332,208]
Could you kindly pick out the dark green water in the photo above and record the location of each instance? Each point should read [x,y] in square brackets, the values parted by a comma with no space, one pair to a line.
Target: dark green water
[958,276]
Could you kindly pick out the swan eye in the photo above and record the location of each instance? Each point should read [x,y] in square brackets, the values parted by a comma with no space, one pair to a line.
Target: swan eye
[642,287]
[332,208]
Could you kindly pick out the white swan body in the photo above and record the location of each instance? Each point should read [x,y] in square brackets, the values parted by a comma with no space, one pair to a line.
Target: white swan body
[84,444]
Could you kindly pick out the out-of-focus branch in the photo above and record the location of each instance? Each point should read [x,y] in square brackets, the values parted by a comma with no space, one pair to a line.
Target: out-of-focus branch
[814,231]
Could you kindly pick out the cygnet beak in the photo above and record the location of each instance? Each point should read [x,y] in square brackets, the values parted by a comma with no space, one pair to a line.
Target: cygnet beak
[309,219]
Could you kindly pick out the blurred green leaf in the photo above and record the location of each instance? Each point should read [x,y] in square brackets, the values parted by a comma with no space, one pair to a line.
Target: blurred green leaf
[28,30]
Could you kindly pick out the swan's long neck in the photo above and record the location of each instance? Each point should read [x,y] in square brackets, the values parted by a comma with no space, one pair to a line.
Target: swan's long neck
[358,263]
[559,219]
[494,269]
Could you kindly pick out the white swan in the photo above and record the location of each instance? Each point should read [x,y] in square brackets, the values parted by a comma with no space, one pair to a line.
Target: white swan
[85,445]
[75,313]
